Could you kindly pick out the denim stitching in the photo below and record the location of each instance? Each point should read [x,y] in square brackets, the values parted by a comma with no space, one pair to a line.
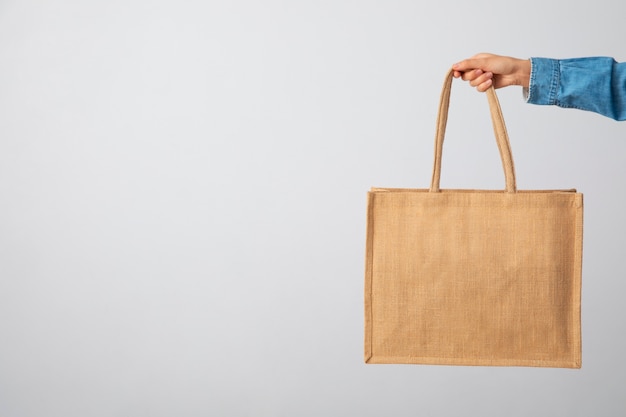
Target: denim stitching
[554,84]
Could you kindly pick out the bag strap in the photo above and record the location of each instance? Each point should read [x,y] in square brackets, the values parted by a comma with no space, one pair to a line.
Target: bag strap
[499,128]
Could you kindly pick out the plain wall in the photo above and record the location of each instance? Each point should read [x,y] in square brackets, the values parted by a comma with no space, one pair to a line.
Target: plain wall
[182,201]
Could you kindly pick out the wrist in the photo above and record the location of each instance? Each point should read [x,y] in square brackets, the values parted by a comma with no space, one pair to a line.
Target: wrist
[523,72]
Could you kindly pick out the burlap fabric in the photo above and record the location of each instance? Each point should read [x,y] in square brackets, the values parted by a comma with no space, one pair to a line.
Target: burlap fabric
[473,277]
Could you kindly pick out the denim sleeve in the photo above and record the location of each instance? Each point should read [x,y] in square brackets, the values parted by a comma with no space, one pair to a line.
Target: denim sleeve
[596,84]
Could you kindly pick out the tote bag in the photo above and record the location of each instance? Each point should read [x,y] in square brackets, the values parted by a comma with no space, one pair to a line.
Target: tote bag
[473,277]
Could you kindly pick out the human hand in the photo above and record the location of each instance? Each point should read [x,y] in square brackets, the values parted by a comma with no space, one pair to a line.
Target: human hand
[484,70]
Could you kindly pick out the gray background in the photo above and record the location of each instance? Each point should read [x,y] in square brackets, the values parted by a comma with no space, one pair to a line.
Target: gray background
[182,201]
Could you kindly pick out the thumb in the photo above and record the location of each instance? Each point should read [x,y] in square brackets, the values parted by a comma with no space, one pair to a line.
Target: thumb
[469,64]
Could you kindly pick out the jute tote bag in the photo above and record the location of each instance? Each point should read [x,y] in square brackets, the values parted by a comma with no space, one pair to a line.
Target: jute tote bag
[473,277]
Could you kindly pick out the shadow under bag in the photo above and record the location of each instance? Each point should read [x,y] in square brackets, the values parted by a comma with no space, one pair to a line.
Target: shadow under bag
[473,277]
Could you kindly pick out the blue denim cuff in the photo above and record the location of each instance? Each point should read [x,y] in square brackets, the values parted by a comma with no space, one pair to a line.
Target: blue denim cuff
[544,81]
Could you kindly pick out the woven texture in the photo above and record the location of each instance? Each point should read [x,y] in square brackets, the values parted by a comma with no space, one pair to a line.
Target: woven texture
[470,277]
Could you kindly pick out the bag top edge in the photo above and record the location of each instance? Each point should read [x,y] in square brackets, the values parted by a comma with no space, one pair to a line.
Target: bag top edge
[464,190]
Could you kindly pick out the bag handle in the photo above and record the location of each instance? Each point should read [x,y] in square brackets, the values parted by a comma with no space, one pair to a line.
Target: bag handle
[502,137]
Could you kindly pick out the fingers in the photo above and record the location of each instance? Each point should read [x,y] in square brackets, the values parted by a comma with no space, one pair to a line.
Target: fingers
[469,70]
[476,78]
[469,64]
[479,79]
[484,86]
